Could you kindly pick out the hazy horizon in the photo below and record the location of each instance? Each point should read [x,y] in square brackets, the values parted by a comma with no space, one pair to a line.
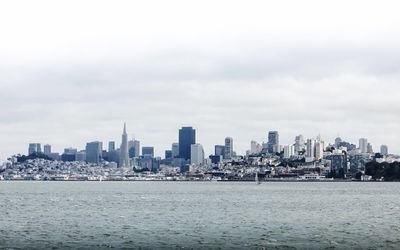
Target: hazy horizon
[74,72]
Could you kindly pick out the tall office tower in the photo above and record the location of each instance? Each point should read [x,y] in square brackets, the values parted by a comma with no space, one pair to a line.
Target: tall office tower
[273,141]
[131,148]
[369,148]
[310,148]
[168,154]
[94,151]
[175,150]
[34,148]
[228,150]
[288,151]
[148,151]
[299,143]
[196,154]
[384,150]
[187,137]
[111,146]
[136,147]
[219,150]
[47,149]
[319,149]
[363,145]
[124,151]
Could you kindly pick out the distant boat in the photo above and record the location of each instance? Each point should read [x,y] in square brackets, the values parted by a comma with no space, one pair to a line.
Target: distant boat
[257,180]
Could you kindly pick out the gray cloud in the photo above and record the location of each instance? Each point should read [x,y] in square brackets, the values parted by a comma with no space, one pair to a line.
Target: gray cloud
[238,81]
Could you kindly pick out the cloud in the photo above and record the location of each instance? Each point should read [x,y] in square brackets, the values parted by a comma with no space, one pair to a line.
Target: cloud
[68,83]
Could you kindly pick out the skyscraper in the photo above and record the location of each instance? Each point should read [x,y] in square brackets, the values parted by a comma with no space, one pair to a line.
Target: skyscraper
[228,149]
[196,154]
[175,150]
[384,150]
[363,145]
[111,146]
[47,149]
[187,137]
[34,148]
[319,149]
[219,150]
[273,141]
[148,151]
[124,151]
[310,152]
[299,144]
[93,152]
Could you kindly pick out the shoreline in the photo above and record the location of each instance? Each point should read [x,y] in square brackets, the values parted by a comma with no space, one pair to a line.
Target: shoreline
[212,181]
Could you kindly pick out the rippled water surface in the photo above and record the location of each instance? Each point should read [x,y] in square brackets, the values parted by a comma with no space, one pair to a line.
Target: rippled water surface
[199,215]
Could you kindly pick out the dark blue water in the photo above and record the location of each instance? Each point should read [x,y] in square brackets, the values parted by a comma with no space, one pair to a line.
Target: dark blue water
[199,215]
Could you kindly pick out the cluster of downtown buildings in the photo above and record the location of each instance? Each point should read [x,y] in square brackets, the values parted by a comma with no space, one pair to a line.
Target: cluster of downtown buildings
[186,159]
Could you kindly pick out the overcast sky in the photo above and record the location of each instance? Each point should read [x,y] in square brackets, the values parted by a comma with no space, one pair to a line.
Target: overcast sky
[74,71]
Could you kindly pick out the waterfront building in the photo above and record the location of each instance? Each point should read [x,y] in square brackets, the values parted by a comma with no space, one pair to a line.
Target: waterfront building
[363,145]
[175,150]
[273,141]
[94,152]
[47,149]
[148,163]
[196,154]
[124,151]
[228,149]
[187,137]
[384,150]
[148,151]
[338,160]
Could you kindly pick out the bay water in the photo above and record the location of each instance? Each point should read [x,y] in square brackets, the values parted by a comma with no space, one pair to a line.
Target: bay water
[199,215]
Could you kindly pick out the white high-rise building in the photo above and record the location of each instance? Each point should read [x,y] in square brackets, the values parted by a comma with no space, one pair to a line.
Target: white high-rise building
[255,147]
[124,151]
[310,153]
[228,150]
[299,143]
[319,149]
[384,150]
[196,154]
[363,145]
[288,151]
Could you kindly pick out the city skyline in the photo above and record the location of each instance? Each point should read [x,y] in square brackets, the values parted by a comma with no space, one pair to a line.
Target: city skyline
[187,134]
[295,70]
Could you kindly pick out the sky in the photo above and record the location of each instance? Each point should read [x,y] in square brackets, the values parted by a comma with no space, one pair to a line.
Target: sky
[74,71]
